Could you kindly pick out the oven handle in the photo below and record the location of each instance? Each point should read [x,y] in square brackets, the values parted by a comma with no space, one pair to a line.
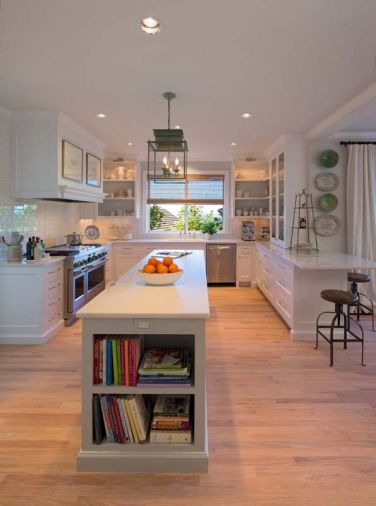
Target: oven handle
[78,272]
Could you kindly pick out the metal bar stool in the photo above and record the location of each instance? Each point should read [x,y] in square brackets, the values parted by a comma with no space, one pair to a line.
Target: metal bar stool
[361,309]
[340,298]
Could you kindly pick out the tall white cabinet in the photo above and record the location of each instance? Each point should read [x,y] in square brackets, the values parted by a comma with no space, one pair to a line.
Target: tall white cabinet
[287,164]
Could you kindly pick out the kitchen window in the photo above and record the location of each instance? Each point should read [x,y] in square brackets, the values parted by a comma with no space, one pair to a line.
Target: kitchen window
[176,206]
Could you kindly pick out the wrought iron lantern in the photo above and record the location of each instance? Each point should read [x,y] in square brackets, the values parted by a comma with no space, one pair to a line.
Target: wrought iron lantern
[167,153]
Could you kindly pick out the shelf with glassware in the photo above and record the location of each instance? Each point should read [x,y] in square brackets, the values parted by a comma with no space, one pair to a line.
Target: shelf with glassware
[119,183]
[251,190]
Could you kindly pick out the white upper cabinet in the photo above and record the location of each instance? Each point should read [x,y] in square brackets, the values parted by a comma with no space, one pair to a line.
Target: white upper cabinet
[52,157]
[287,157]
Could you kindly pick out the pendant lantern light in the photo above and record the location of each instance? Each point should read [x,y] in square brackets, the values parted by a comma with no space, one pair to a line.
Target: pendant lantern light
[167,153]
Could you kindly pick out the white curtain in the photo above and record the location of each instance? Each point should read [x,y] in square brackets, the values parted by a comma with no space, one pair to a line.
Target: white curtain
[361,204]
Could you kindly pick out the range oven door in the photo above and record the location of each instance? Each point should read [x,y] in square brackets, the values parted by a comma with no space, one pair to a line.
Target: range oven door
[76,296]
[96,280]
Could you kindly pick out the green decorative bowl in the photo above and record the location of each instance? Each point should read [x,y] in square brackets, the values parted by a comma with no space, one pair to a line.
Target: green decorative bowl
[329,158]
[328,202]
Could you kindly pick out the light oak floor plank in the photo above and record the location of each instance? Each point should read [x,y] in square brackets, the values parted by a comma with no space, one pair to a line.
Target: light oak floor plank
[284,428]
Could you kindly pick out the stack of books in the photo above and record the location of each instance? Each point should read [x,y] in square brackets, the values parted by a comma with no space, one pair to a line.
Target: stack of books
[171,421]
[165,366]
[116,359]
[122,419]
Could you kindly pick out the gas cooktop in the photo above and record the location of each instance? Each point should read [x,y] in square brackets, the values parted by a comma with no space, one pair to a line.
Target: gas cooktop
[65,250]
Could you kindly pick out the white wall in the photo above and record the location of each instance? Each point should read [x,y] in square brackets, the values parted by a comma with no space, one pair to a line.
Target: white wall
[48,220]
[314,148]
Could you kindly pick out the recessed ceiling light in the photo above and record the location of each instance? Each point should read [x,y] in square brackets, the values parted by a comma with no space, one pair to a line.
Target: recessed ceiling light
[130,143]
[100,115]
[177,127]
[246,115]
[150,25]
[232,143]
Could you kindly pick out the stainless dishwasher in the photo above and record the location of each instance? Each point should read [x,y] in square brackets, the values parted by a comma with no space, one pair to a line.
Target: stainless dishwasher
[221,263]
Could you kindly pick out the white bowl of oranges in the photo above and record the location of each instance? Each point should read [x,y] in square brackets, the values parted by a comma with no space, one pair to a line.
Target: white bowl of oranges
[157,272]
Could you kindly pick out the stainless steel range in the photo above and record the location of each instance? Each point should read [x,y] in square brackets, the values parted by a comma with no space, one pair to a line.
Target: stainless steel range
[84,275]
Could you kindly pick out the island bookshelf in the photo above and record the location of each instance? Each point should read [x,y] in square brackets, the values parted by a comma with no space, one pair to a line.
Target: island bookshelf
[115,457]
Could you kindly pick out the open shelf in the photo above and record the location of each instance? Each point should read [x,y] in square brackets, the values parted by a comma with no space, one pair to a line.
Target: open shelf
[119,198]
[145,390]
[118,180]
[252,180]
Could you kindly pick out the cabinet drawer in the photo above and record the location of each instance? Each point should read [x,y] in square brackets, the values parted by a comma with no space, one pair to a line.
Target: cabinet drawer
[284,298]
[54,270]
[54,312]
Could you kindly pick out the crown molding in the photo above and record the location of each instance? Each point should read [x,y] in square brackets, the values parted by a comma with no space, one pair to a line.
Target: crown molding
[346,110]
[356,136]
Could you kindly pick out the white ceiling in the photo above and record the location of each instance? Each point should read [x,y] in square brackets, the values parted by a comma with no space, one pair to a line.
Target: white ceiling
[289,62]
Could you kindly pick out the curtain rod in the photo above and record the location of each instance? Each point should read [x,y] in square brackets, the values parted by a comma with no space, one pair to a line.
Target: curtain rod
[347,143]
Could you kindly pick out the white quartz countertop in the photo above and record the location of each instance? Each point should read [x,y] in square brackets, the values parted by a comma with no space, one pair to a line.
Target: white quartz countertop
[130,297]
[324,260]
[42,263]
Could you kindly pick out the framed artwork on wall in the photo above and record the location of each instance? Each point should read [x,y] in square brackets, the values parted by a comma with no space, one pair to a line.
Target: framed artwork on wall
[72,162]
[93,170]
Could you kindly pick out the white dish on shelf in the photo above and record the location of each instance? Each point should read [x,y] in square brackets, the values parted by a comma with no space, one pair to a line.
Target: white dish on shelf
[160,279]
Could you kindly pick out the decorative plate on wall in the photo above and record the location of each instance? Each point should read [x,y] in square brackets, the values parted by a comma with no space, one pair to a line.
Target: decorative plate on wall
[326,181]
[326,225]
[92,232]
[328,202]
[329,158]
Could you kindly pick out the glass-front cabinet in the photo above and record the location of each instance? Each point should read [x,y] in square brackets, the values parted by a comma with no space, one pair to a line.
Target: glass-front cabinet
[287,161]
[277,197]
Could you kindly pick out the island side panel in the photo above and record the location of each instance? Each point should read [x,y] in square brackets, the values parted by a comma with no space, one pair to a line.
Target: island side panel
[144,458]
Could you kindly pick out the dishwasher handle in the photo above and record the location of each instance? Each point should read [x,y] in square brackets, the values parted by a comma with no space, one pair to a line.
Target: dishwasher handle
[219,247]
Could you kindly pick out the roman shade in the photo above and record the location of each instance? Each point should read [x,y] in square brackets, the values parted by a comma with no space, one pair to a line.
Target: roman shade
[198,189]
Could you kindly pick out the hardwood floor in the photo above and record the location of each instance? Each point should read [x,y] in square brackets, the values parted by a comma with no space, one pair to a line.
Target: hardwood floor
[284,428]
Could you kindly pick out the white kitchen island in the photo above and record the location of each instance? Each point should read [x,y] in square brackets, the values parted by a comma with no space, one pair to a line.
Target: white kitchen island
[172,315]
[293,283]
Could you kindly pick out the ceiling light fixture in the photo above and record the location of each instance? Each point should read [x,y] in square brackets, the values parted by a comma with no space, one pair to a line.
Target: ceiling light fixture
[130,143]
[100,115]
[246,115]
[177,127]
[150,25]
[232,143]
[164,151]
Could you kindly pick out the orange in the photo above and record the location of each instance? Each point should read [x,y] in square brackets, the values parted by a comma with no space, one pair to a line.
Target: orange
[168,261]
[162,269]
[153,261]
[173,268]
[149,269]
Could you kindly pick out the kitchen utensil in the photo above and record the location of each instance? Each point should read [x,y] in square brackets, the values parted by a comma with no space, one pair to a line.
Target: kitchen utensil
[73,239]
[328,202]
[326,181]
[92,232]
[329,158]
[326,225]
[160,279]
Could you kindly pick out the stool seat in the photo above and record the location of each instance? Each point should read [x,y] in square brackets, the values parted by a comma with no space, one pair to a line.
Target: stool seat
[340,297]
[358,277]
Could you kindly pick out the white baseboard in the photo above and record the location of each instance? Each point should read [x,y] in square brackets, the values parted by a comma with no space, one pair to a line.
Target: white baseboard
[32,338]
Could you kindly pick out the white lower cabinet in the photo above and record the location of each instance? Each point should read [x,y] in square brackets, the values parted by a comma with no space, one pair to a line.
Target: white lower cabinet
[245,264]
[32,298]
[275,278]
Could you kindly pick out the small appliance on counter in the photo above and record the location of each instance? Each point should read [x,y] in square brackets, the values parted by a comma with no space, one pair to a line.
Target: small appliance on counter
[73,239]
[14,251]
[248,231]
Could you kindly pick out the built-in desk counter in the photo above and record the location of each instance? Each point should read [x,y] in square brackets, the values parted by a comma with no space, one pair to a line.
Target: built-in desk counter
[293,283]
